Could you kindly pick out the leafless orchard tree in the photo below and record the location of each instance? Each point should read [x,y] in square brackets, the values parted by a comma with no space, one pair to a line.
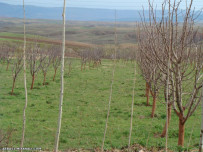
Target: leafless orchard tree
[150,39]
[36,59]
[146,72]
[56,60]
[97,55]
[128,54]
[149,69]
[92,56]
[3,54]
[85,57]
[6,137]
[17,66]
[69,62]
[173,57]
[46,62]
[8,50]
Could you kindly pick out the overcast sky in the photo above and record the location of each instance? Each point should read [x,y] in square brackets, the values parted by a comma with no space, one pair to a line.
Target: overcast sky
[109,4]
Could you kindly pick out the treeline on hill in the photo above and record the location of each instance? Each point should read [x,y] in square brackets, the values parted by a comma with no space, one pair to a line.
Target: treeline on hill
[41,57]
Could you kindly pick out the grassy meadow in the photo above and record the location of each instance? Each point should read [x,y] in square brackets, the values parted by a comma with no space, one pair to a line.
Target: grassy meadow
[84,111]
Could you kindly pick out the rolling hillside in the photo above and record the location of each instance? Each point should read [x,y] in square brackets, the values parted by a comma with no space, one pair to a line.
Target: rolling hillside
[78,14]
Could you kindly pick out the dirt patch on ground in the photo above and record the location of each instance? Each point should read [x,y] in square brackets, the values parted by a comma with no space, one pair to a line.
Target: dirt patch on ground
[69,44]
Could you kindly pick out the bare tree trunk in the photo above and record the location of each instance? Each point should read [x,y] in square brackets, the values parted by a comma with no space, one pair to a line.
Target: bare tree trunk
[69,69]
[111,90]
[133,99]
[7,66]
[25,85]
[14,80]
[44,81]
[81,66]
[54,74]
[89,64]
[181,131]
[168,120]
[33,80]
[147,93]
[62,77]
[84,65]
[201,134]
[153,106]
[168,72]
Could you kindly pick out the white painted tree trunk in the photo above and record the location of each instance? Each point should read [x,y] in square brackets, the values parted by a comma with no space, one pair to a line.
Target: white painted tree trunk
[201,134]
[25,84]
[133,99]
[62,77]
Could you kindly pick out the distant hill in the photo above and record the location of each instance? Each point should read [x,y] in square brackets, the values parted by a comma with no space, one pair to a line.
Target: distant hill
[78,14]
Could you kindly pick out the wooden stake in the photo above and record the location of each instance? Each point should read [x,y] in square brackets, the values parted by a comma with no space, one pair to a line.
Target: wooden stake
[25,84]
[111,90]
[62,77]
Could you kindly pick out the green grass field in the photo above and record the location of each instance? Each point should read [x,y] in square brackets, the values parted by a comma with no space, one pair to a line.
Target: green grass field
[17,36]
[85,108]
[20,35]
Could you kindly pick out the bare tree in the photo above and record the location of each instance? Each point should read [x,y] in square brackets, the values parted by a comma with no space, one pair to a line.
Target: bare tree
[48,58]
[62,77]
[69,62]
[96,57]
[3,53]
[148,67]
[36,58]
[173,57]
[17,67]
[85,56]
[8,55]
[56,61]
[5,137]
[145,63]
